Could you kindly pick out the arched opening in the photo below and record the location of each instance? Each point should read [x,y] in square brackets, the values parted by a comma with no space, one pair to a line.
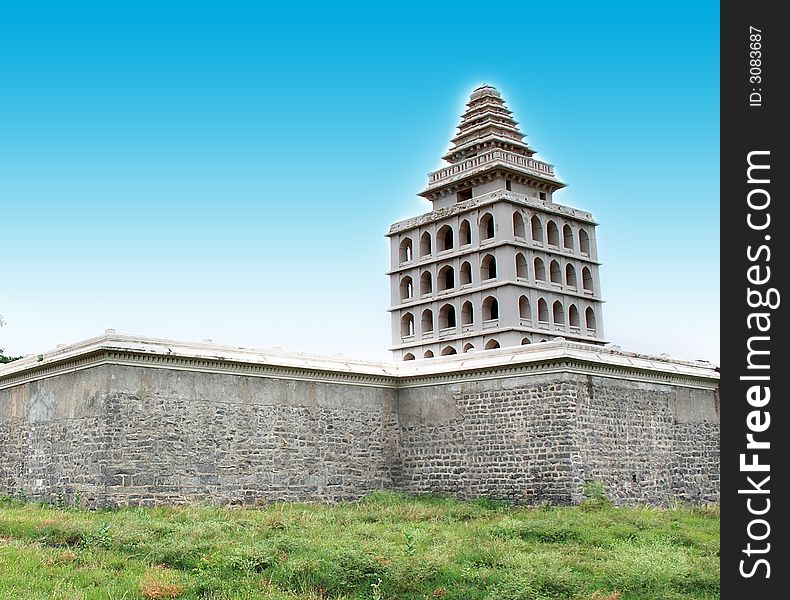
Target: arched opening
[408,356]
[447,316]
[426,322]
[587,279]
[428,354]
[558,313]
[589,318]
[425,244]
[469,347]
[490,309]
[524,309]
[488,267]
[573,316]
[584,242]
[567,237]
[466,273]
[555,273]
[540,269]
[518,226]
[537,229]
[405,250]
[487,226]
[543,311]
[552,234]
[465,233]
[407,325]
[426,283]
[492,344]
[444,238]
[522,272]
[467,313]
[525,341]
[570,275]
[448,351]
[446,278]
[406,288]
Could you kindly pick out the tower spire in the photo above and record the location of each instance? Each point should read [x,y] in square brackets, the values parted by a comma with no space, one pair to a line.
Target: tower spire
[488,145]
[486,121]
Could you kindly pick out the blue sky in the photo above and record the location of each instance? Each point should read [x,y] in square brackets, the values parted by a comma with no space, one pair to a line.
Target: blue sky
[228,170]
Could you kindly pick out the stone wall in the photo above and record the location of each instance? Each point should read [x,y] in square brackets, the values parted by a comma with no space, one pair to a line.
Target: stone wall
[650,443]
[118,421]
[502,438]
[115,435]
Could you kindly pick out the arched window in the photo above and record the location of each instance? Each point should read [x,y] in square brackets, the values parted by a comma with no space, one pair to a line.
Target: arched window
[524,309]
[525,341]
[589,318]
[426,283]
[444,238]
[558,313]
[407,325]
[465,233]
[426,322]
[487,226]
[570,275]
[405,250]
[408,356]
[587,280]
[518,225]
[543,311]
[584,242]
[467,313]
[466,273]
[537,229]
[492,344]
[554,272]
[447,316]
[540,270]
[490,309]
[573,316]
[448,350]
[425,244]
[406,288]
[469,347]
[522,272]
[488,267]
[428,354]
[552,234]
[567,237]
[446,278]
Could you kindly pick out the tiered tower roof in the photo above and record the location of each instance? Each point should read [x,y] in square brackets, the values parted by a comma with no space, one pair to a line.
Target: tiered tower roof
[488,142]
[487,122]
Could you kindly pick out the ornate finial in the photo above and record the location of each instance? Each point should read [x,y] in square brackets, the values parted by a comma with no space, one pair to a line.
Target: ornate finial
[484,90]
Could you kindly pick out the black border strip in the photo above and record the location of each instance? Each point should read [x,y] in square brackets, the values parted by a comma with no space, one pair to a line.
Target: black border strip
[754,53]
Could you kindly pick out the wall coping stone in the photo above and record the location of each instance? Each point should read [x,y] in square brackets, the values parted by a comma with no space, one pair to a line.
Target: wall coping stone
[558,355]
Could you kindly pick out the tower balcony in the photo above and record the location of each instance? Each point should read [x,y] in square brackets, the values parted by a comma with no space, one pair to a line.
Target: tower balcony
[485,161]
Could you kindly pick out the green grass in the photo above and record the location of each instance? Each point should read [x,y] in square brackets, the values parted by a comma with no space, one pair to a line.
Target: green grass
[384,547]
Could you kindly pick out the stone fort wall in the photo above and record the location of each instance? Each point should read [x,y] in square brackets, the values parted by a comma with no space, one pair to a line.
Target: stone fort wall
[119,420]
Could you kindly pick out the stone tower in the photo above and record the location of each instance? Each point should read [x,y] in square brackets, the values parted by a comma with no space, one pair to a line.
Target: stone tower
[496,262]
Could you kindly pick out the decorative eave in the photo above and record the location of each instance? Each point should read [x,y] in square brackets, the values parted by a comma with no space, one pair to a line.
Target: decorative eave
[459,153]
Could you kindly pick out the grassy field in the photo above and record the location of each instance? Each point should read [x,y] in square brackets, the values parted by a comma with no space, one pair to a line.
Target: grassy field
[386,546]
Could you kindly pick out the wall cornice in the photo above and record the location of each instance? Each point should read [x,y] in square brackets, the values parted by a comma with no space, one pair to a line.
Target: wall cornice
[543,206]
[559,356]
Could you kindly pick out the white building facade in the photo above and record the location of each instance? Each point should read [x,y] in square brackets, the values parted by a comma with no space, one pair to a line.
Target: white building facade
[497,262]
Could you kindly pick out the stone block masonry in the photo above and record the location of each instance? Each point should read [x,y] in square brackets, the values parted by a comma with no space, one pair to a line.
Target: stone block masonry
[119,420]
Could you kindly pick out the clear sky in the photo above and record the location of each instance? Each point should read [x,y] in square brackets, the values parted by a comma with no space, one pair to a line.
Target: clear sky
[228,170]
